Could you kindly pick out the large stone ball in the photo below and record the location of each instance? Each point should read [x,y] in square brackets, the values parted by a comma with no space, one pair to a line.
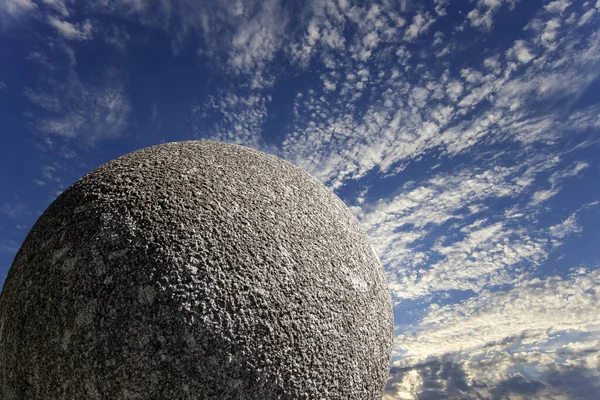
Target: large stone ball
[195,270]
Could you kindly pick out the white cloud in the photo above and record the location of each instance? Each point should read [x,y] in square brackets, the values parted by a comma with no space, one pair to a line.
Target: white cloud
[71,31]
[555,180]
[8,247]
[420,95]
[539,338]
[16,7]
[58,5]
[396,225]
[243,36]
[501,375]
[566,228]
[240,121]
[440,7]
[558,6]
[249,36]
[420,24]
[13,210]
[74,109]
[511,97]
[537,310]
[550,32]
[587,17]
[329,85]
[48,101]
[257,39]
[97,113]
[324,28]
[542,195]
[438,38]
[116,36]
[471,250]
[520,52]
[454,90]
[482,15]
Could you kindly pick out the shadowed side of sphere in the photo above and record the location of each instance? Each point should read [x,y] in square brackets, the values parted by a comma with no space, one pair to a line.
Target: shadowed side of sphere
[195,270]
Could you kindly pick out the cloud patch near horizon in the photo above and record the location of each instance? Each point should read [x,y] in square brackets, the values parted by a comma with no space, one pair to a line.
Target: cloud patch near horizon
[533,339]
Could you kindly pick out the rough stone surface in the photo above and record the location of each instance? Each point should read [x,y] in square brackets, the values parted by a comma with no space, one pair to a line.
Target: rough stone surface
[195,270]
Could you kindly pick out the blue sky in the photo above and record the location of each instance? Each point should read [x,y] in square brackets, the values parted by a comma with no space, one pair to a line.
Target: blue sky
[464,136]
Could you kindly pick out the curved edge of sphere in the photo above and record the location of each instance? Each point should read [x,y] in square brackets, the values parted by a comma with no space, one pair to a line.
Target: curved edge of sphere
[196,270]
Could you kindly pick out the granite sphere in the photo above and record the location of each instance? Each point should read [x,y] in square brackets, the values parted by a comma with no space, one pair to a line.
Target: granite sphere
[195,270]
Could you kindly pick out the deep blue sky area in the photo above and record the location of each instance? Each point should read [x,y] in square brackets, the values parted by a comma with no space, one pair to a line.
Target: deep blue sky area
[464,135]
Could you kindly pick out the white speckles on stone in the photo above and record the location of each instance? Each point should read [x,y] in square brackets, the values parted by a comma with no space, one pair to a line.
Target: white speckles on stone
[60,253]
[80,209]
[285,255]
[144,337]
[86,314]
[192,266]
[235,383]
[358,283]
[187,306]
[130,224]
[161,339]
[92,390]
[66,339]
[260,292]
[154,379]
[117,254]
[128,394]
[100,267]
[9,394]
[190,341]
[355,281]
[146,295]
[69,264]
[106,218]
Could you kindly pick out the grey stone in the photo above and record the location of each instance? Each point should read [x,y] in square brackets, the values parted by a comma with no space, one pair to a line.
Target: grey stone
[195,270]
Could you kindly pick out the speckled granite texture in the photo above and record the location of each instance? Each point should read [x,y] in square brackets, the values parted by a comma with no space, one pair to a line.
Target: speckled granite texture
[195,270]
